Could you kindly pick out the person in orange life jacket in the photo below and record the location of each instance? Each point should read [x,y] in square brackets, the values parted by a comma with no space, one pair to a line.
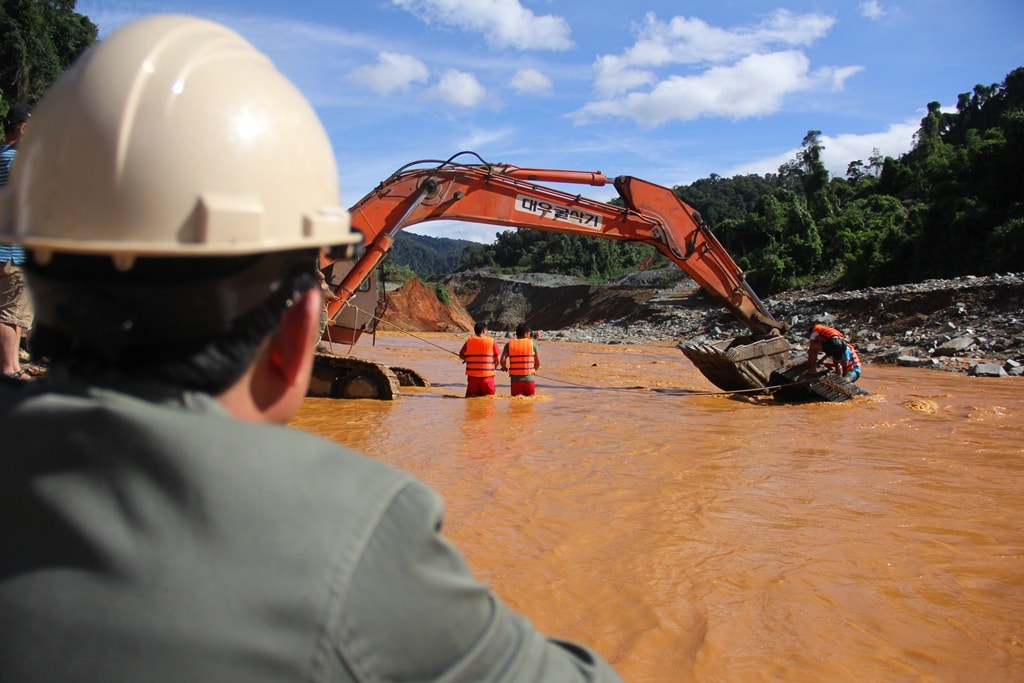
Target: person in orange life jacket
[842,358]
[520,359]
[480,354]
[819,335]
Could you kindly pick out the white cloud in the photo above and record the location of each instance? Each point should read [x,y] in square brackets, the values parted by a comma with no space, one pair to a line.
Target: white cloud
[684,40]
[871,9]
[753,86]
[840,150]
[835,77]
[503,23]
[459,88]
[478,139]
[616,75]
[530,82]
[747,70]
[391,73]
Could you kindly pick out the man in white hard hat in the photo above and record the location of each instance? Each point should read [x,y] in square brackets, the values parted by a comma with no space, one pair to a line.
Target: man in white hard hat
[157,520]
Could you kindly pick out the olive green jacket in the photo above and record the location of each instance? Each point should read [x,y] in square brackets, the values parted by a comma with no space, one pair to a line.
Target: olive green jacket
[153,538]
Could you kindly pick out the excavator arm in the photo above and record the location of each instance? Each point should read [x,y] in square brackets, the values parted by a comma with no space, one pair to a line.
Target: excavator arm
[505,195]
[511,196]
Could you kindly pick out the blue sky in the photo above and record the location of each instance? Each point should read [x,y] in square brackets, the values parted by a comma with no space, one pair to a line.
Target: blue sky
[666,91]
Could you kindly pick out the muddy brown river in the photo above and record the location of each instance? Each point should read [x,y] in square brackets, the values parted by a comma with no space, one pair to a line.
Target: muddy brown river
[693,537]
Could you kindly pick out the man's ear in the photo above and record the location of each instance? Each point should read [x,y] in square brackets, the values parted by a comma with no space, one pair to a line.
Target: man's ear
[290,348]
[276,383]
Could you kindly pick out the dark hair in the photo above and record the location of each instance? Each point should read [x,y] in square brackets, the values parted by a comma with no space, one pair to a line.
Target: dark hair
[193,323]
[479,328]
[522,330]
[835,347]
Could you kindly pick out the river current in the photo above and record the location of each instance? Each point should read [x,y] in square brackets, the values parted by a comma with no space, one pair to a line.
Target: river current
[688,535]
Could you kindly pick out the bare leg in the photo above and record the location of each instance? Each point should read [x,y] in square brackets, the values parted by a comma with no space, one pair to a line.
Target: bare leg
[10,341]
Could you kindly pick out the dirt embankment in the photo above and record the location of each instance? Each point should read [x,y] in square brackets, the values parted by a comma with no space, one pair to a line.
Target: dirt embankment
[948,324]
[417,308]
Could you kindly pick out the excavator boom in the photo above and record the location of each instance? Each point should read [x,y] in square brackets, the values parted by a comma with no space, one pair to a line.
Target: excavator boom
[511,196]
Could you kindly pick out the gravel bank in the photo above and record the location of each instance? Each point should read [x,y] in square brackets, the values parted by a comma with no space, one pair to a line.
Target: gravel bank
[962,324]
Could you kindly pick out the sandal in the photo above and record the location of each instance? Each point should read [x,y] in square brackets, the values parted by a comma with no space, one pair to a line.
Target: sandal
[20,376]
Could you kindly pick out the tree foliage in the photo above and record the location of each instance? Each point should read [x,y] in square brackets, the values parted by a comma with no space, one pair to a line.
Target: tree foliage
[427,256]
[953,205]
[720,199]
[39,39]
[544,252]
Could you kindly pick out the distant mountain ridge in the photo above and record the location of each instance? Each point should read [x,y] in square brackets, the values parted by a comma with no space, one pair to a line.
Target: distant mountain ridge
[427,256]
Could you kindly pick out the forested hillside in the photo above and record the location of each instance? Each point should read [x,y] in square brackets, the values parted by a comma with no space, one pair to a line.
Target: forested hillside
[953,205]
[427,256]
[38,41]
[543,252]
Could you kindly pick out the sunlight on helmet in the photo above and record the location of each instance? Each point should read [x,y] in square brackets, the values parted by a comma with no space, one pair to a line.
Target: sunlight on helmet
[249,126]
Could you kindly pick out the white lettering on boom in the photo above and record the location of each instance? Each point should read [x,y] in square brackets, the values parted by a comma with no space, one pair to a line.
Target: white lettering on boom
[558,212]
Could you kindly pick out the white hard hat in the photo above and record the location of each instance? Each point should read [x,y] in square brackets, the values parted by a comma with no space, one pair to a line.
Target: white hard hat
[173,137]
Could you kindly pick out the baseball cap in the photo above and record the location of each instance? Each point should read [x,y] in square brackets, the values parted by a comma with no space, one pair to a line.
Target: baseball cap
[18,114]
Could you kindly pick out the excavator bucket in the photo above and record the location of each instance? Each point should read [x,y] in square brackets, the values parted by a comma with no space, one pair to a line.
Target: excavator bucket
[739,364]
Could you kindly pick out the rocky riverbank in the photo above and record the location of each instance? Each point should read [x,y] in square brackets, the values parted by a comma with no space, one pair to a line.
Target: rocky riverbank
[967,324]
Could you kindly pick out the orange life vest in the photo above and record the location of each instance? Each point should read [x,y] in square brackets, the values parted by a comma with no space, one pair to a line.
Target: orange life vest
[822,333]
[852,362]
[520,357]
[480,357]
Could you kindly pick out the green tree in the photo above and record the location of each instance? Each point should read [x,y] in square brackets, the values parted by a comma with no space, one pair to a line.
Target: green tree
[720,199]
[814,177]
[950,206]
[777,243]
[871,243]
[39,39]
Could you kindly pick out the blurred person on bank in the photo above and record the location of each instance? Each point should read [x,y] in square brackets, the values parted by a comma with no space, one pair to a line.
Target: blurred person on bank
[15,304]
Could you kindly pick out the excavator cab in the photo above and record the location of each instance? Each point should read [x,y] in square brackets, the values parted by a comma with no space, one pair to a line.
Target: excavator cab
[338,374]
[364,305]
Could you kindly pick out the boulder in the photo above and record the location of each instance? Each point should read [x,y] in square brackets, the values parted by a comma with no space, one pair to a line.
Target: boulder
[915,362]
[954,346]
[986,370]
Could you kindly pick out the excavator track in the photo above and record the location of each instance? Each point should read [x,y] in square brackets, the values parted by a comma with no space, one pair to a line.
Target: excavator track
[794,385]
[348,377]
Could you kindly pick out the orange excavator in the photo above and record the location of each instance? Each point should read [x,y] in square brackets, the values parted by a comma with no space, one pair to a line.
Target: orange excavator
[506,195]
